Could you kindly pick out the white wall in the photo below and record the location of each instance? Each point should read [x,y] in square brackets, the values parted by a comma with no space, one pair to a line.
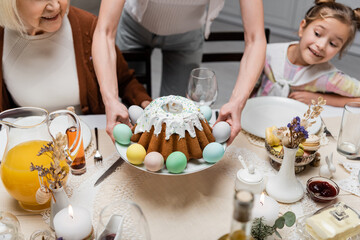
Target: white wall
[283,17]
[92,6]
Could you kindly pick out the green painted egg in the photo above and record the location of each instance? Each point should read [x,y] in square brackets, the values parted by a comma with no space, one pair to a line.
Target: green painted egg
[122,134]
[176,162]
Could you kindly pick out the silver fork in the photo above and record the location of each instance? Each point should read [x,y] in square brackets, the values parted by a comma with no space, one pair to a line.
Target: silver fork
[97,157]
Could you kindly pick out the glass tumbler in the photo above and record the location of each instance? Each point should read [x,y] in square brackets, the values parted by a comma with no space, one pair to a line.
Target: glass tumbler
[349,136]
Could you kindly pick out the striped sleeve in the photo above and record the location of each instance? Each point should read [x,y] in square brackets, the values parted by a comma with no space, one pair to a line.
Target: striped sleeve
[335,82]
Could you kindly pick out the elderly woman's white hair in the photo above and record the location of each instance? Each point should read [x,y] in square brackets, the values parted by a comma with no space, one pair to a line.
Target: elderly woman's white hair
[9,16]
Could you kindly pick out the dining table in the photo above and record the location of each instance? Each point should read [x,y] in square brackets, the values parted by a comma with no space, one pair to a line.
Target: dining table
[191,206]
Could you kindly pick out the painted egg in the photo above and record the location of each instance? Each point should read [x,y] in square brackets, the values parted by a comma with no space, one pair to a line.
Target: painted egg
[221,132]
[213,152]
[136,154]
[206,111]
[154,161]
[42,195]
[122,134]
[135,112]
[176,162]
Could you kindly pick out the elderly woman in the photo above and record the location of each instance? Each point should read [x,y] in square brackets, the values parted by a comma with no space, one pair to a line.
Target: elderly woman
[46,59]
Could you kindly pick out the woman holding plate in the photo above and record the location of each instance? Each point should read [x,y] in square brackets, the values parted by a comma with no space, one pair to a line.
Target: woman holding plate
[178,28]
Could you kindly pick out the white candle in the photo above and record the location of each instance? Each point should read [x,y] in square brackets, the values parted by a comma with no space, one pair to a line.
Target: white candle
[73,223]
[267,207]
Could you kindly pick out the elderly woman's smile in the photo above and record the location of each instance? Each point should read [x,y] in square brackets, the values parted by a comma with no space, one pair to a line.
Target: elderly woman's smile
[41,16]
[51,18]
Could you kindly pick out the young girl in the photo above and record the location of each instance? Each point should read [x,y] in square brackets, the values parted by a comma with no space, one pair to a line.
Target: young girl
[301,70]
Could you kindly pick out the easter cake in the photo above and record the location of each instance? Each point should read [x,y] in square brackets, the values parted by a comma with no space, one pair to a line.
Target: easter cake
[173,123]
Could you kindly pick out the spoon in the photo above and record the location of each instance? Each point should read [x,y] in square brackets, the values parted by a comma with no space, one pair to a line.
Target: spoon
[250,168]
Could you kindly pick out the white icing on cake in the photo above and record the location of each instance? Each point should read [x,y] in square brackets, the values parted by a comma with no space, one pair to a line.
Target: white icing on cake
[178,113]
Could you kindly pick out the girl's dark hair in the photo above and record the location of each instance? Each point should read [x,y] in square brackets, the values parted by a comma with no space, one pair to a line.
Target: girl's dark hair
[330,9]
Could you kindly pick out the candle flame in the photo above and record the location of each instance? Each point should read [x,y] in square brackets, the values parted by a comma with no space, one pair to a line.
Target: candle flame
[71,211]
[262,199]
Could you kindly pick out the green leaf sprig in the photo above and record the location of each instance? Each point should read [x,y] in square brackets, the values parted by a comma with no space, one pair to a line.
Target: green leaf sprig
[259,230]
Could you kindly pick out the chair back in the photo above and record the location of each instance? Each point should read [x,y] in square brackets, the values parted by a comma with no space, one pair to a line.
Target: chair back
[227,36]
[140,61]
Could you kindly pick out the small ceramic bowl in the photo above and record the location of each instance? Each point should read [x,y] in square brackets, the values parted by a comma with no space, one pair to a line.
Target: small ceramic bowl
[322,189]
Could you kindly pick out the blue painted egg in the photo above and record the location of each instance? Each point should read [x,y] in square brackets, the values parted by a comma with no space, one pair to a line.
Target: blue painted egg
[213,152]
[206,111]
[176,162]
[122,134]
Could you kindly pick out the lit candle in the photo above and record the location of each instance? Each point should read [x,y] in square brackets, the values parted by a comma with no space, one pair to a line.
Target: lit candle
[73,223]
[267,207]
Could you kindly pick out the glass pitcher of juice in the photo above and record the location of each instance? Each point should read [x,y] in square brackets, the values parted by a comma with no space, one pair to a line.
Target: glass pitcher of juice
[28,129]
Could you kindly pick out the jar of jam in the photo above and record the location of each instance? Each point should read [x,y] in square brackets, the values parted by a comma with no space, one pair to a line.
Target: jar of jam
[322,189]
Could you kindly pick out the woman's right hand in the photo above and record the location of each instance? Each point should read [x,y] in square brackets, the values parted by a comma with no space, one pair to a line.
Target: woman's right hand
[116,113]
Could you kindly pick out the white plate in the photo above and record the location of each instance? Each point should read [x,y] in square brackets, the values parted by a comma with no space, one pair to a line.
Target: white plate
[194,165]
[58,126]
[262,112]
[3,141]
[87,135]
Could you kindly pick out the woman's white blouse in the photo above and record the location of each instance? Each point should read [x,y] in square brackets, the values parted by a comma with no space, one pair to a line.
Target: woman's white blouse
[166,17]
[40,70]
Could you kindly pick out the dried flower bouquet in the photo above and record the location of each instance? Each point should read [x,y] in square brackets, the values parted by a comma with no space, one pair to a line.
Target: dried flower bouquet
[56,151]
[296,131]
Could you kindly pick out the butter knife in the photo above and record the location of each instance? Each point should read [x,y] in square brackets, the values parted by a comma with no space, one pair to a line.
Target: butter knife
[110,170]
[326,131]
[216,114]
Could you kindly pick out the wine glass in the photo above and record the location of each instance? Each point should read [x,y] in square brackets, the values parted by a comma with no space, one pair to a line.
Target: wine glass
[349,136]
[202,86]
[10,226]
[122,220]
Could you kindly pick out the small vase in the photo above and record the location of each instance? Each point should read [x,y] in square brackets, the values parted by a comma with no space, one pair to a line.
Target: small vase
[285,187]
[61,201]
